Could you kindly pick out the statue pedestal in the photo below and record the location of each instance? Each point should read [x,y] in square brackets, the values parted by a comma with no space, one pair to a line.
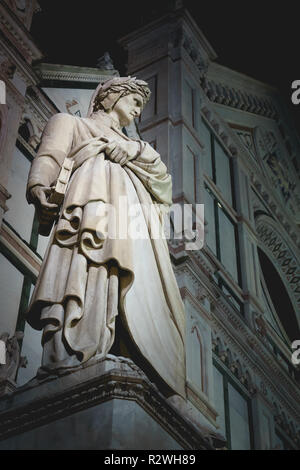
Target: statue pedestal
[108,404]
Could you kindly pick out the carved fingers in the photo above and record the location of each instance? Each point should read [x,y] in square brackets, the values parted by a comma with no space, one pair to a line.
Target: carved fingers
[121,153]
[46,211]
[116,153]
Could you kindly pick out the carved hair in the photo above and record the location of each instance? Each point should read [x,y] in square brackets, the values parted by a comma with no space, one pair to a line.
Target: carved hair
[109,92]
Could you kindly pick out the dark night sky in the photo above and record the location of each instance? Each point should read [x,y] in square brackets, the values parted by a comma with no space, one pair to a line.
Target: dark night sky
[261,42]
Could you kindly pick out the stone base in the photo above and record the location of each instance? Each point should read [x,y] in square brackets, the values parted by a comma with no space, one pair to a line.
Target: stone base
[107,404]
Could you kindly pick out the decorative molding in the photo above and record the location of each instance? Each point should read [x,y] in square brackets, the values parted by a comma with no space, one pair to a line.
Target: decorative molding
[8,69]
[4,195]
[19,248]
[201,403]
[186,294]
[284,258]
[276,166]
[239,99]
[19,35]
[123,381]
[236,148]
[233,363]
[28,147]
[271,205]
[194,52]
[229,139]
[256,356]
[73,74]
[286,426]
[11,91]
[226,350]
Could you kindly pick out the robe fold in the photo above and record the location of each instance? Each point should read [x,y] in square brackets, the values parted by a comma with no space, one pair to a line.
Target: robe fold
[92,270]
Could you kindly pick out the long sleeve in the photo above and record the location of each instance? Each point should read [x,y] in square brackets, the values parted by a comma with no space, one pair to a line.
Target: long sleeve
[56,144]
[150,169]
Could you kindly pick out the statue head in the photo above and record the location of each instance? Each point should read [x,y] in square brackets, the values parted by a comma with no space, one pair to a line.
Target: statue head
[107,94]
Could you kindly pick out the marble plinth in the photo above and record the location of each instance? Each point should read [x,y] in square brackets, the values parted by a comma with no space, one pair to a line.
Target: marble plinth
[108,404]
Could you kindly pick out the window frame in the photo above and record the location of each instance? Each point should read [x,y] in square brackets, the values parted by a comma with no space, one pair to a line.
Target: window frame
[219,206]
[213,139]
[227,379]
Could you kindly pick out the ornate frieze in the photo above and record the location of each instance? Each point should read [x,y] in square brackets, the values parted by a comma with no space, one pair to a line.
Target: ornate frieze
[275,209]
[239,99]
[284,258]
[73,74]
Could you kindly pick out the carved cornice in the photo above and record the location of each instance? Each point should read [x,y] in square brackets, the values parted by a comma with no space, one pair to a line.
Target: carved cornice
[124,381]
[239,99]
[73,74]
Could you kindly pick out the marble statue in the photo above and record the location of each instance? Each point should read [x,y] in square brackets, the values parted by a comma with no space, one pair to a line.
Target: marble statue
[13,359]
[93,286]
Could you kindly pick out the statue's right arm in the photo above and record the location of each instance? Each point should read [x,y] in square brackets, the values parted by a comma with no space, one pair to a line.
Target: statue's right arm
[56,144]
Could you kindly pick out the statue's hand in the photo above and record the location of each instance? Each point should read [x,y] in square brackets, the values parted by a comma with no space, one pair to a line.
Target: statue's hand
[122,152]
[46,211]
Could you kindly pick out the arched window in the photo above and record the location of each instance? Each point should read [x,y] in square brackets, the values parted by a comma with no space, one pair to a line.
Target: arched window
[26,130]
[279,297]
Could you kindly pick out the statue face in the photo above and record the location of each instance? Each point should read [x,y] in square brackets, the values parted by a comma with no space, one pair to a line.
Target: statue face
[127,108]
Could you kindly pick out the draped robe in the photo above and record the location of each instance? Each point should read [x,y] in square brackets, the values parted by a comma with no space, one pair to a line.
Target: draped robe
[87,278]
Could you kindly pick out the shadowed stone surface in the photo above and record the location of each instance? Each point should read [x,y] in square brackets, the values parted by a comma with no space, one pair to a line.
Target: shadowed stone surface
[108,404]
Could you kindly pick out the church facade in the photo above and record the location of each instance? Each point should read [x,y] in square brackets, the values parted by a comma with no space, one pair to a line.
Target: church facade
[229,144]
